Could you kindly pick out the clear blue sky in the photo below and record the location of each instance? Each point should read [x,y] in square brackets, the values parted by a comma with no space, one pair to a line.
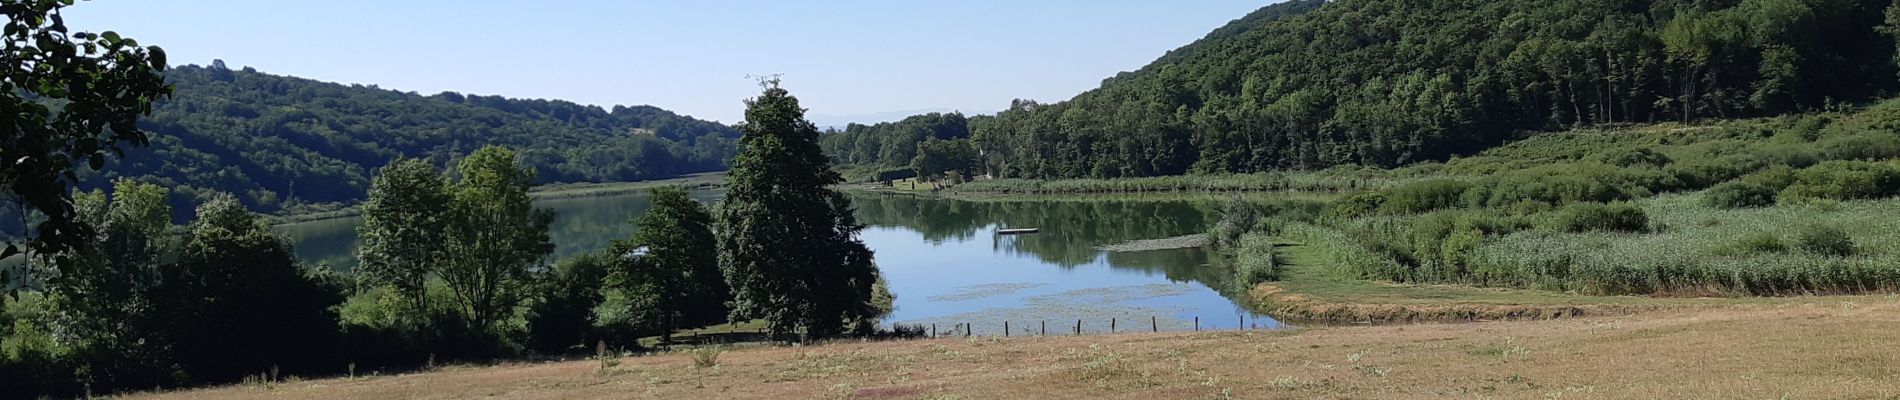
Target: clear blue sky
[844,57]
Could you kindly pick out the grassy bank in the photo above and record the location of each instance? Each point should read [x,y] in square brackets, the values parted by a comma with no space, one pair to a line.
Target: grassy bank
[1312,289]
[706,180]
[1800,348]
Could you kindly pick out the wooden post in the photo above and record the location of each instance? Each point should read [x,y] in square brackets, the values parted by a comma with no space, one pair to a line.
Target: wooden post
[1078,327]
[1197,323]
[1111,325]
[933,330]
[1005,328]
[969,329]
[1243,322]
[1153,323]
[1045,327]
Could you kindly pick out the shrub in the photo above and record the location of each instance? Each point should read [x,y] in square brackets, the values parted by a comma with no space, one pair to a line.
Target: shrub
[1844,180]
[1593,217]
[1254,262]
[1423,196]
[1761,242]
[1739,195]
[1823,240]
[1640,156]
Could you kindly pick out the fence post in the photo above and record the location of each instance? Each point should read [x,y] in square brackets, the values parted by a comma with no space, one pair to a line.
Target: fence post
[1153,323]
[1045,327]
[1078,327]
[1243,322]
[933,330]
[1005,328]
[1111,325]
[1197,323]
[969,329]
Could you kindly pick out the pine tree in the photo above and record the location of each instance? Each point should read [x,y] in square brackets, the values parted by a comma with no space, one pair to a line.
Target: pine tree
[788,242]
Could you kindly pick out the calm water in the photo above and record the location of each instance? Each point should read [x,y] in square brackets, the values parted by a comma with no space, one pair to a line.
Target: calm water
[946,266]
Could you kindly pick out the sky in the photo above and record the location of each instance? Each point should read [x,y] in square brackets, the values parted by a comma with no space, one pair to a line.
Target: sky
[844,59]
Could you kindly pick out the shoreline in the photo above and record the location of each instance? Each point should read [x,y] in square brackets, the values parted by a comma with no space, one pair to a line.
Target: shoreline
[697,181]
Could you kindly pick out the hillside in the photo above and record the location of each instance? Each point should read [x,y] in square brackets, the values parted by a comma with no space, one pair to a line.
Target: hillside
[282,142]
[1309,84]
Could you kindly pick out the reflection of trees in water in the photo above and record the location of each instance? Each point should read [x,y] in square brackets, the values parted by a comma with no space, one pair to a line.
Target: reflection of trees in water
[1071,231]
[581,225]
[588,224]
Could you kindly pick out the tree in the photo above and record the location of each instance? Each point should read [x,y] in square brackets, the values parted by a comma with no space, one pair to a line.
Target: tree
[563,315]
[788,241]
[935,158]
[106,293]
[673,263]
[496,237]
[237,302]
[402,231]
[65,98]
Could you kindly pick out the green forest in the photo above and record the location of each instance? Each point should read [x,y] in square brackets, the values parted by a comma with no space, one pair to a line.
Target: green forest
[1310,84]
[282,144]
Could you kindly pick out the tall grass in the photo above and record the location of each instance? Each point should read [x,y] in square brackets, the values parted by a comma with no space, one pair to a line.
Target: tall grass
[1254,261]
[1338,179]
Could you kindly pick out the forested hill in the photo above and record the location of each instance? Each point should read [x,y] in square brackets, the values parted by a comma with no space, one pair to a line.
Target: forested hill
[1309,83]
[281,142]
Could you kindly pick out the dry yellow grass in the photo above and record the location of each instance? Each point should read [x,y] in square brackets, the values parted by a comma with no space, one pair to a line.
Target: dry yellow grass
[1847,347]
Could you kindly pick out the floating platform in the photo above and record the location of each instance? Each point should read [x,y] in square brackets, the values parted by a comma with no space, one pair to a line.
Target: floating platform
[1018,231]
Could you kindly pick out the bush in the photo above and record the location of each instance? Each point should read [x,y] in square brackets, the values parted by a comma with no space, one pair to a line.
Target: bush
[1592,217]
[1255,263]
[1739,195]
[1761,242]
[1423,196]
[1823,240]
[1844,180]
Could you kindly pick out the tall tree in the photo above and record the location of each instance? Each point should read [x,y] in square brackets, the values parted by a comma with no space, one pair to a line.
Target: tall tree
[788,242]
[672,259]
[65,98]
[402,231]
[496,236]
[106,294]
[237,302]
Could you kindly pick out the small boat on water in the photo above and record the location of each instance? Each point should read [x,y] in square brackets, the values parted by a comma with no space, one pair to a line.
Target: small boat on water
[1017,231]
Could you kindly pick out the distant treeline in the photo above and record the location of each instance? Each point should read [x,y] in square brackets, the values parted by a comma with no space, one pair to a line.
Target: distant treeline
[1309,84]
[281,142]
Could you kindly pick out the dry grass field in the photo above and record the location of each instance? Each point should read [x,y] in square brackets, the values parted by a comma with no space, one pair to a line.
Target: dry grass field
[1812,348]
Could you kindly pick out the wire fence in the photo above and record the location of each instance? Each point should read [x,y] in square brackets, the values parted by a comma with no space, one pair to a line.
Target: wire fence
[1078,327]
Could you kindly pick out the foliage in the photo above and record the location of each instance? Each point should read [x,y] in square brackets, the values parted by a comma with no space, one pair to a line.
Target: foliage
[235,281]
[496,237]
[561,319]
[937,158]
[671,267]
[285,144]
[1823,240]
[1739,194]
[1254,261]
[892,143]
[402,233]
[66,98]
[1844,180]
[788,242]
[1309,84]
[1592,217]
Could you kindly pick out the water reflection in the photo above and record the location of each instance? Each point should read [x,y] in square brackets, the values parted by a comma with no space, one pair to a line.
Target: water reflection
[946,265]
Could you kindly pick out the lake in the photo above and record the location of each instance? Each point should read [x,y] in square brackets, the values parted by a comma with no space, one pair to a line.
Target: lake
[947,266]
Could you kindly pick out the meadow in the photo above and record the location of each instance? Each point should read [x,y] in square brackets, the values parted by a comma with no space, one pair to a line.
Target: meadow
[1798,205]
